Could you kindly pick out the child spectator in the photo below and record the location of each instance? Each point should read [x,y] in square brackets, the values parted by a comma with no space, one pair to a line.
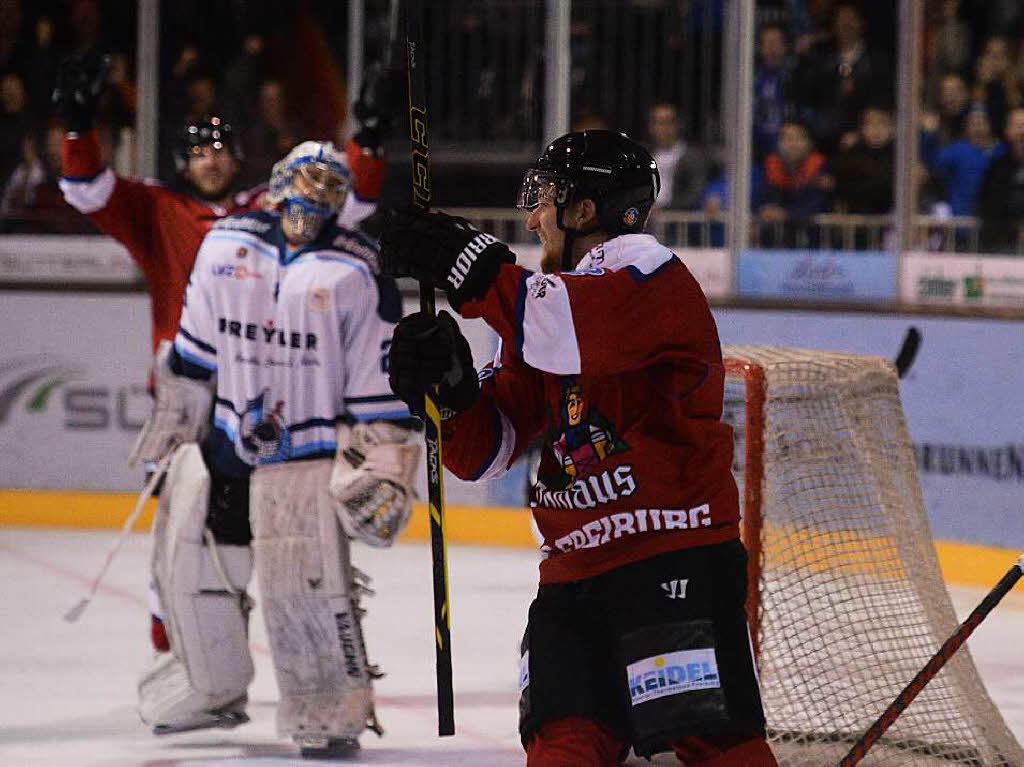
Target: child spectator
[864,172]
[796,185]
[961,166]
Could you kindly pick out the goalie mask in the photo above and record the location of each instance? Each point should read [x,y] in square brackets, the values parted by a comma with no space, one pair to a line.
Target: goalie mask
[311,182]
[611,169]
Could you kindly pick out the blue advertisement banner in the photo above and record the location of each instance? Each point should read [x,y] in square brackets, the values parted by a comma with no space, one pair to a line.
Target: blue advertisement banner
[838,275]
[961,398]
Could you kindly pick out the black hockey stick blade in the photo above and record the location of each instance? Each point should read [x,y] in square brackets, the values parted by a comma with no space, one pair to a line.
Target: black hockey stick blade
[420,154]
[934,665]
[908,351]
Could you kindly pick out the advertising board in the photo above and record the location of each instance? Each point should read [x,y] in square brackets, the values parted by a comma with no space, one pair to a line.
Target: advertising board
[962,279]
[962,402]
[73,376]
[818,275]
[86,259]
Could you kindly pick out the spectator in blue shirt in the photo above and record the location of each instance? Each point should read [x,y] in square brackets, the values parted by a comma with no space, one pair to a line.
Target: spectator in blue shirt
[770,84]
[961,166]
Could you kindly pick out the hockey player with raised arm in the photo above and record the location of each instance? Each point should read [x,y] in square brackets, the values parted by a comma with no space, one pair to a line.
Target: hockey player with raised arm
[274,398]
[638,634]
[162,225]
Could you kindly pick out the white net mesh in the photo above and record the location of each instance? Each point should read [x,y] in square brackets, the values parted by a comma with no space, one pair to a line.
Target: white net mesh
[850,597]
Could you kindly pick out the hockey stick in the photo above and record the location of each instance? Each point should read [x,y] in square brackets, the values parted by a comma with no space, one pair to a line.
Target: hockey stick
[432,433]
[934,665]
[908,351]
[76,611]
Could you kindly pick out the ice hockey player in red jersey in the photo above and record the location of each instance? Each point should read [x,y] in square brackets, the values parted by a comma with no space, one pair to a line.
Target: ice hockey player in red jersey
[638,635]
[162,226]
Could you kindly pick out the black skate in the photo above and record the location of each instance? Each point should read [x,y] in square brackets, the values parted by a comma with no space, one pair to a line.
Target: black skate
[311,747]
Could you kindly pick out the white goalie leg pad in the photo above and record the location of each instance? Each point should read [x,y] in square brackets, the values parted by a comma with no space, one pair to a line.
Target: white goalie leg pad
[201,586]
[310,603]
[180,414]
[372,480]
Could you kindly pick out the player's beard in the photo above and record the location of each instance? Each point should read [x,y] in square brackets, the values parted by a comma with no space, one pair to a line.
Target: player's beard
[213,192]
[551,254]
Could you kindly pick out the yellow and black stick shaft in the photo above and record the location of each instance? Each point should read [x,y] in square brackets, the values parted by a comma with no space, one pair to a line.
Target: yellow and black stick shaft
[432,431]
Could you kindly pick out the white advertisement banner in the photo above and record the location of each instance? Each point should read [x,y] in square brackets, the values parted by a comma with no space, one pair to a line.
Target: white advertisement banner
[73,375]
[962,279]
[65,258]
[961,396]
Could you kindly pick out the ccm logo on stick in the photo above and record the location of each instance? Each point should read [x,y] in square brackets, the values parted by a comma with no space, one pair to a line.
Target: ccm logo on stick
[465,260]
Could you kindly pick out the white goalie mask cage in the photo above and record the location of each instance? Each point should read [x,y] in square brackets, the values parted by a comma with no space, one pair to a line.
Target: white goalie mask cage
[311,182]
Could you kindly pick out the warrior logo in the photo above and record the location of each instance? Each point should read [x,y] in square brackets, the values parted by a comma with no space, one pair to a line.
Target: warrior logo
[587,439]
[264,436]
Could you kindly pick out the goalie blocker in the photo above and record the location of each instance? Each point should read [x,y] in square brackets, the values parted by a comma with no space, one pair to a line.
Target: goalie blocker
[684,676]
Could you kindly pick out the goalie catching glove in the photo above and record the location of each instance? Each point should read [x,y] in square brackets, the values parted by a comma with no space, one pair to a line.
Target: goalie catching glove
[429,351]
[372,479]
[180,414]
[444,250]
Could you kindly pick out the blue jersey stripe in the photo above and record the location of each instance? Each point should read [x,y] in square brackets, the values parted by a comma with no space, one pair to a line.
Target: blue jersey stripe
[371,398]
[497,446]
[209,349]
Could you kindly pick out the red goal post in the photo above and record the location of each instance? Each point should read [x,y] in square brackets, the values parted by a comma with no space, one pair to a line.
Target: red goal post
[846,601]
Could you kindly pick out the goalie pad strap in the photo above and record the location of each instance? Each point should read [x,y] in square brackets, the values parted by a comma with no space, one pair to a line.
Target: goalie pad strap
[310,602]
[201,586]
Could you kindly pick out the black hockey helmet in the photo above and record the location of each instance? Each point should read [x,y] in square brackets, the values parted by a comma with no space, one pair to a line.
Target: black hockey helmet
[205,131]
[617,173]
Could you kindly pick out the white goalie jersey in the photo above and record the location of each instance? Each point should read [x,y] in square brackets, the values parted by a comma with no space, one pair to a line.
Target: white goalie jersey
[295,340]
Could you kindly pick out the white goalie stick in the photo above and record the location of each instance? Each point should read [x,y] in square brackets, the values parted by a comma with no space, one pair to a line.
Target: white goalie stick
[76,611]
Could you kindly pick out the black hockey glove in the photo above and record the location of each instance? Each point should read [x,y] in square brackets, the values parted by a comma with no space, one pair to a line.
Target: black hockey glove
[427,351]
[444,250]
[81,79]
[381,100]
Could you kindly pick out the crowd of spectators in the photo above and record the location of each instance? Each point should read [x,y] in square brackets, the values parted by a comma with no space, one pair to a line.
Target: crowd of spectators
[824,119]
[233,60]
[823,101]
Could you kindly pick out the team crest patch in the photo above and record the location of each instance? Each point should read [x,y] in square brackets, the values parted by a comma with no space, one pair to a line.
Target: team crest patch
[319,300]
[631,216]
[263,434]
[583,439]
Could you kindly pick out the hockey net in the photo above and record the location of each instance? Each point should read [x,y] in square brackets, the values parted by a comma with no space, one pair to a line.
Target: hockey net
[847,602]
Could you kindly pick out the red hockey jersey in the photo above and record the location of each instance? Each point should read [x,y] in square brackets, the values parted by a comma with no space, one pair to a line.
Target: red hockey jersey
[617,366]
[162,228]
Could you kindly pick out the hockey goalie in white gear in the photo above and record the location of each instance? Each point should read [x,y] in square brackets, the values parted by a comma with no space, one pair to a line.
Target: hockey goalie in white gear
[316,315]
[202,681]
[372,480]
